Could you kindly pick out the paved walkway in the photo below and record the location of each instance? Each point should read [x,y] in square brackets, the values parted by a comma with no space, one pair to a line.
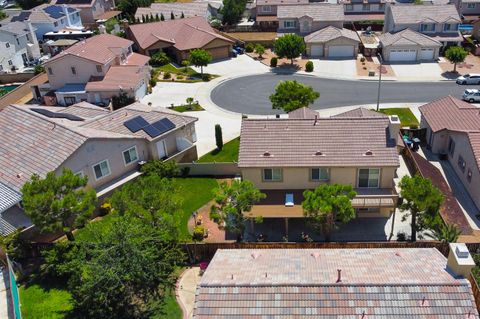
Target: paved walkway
[5,306]
[185,290]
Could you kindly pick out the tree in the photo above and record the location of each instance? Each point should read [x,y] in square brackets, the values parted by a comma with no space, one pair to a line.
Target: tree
[260,50]
[200,58]
[159,59]
[327,205]
[231,204]
[172,16]
[447,233]
[232,11]
[144,19]
[291,95]
[421,200]
[157,18]
[58,203]
[122,100]
[289,46]
[3,15]
[190,101]
[39,69]
[162,18]
[182,16]
[130,6]
[218,137]
[185,64]
[161,168]
[456,54]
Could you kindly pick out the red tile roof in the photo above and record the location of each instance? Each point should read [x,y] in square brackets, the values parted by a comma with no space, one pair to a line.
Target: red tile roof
[121,77]
[137,59]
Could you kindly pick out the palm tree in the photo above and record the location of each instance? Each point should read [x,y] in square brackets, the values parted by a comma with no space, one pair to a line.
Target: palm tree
[447,233]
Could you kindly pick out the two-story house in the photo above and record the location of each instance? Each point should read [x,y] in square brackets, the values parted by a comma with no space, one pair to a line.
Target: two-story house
[205,9]
[284,157]
[469,9]
[91,141]
[90,10]
[453,130]
[361,10]
[429,25]
[95,70]
[18,45]
[266,11]
[51,18]
[307,18]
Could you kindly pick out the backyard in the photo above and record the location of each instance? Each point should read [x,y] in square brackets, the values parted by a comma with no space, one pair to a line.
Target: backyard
[407,118]
[229,153]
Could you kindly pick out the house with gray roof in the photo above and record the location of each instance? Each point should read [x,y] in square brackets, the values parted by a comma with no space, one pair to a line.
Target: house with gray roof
[205,9]
[413,283]
[18,45]
[105,146]
[332,42]
[307,18]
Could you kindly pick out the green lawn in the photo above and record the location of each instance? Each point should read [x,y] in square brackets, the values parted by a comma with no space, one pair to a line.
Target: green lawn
[188,108]
[229,153]
[41,299]
[185,72]
[405,114]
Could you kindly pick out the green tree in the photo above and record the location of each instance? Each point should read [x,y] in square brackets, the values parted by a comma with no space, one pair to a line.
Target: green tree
[260,50]
[218,137]
[157,18]
[291,95]
[172,16]
[3,15]
[159,58]
[131,6]
[182,16]
[162,18]
[231,204]
[328,205]
[122,100]
[39,69]
[232,11]
[58,203]
[456,54]
[200,58]
[161,168]
[289,46]
[448,233]
[421,200]
[185,64]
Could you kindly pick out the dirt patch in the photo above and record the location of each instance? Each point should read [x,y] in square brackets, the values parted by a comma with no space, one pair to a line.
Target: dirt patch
[471,65]
[298,64]
[253,36]
[363,68]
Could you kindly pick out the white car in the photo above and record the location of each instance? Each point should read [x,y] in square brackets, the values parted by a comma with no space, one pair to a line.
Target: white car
[469,79]
[471,95]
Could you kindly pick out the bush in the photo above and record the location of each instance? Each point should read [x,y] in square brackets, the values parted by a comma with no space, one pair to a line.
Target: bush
[160,168]
[105,209]
[218,137]
[206,77]
[159,59]
[39,69]
[273,62]
[362,59]
[153,82]
[167,75]
[249,47]
[199,232]
[309,66]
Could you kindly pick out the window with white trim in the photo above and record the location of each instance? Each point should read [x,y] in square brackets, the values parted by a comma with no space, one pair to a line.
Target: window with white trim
[289,24]
[272,174]
[366,7]
[99,68]
[427,27]
[130,155]
[79,174]
[349,7]
[470,5]
[74,71]
[320,174]
[369,177]
[50,71]
[266,9]
[101,169]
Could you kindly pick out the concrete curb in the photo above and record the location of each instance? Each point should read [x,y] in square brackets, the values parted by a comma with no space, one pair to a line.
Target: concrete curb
[177,295]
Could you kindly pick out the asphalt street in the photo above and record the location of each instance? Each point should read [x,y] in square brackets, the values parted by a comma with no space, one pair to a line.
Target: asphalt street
[249,95]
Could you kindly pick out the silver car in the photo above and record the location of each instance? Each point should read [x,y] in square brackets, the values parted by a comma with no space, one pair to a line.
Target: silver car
[469,79]
[471,95]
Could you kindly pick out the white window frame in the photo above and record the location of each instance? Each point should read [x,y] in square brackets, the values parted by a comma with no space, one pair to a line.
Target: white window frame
[287,22]
[319,179]
[264,9]
[368,182]
[280,179]
[427,25]
[79,173]
[131,161]
[103,176]
[471,5]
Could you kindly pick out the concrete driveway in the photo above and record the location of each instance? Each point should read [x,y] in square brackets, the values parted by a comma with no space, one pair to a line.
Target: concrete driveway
[342,69]
[241,64]
[418,71]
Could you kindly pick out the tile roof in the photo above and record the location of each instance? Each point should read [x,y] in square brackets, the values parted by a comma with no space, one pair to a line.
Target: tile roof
[408,37]
[302,283]
[330,33]
[44,13]
[281,2]
[318,12]
[137,59]
[360,112]
[85,110]
[295,142]
[193,9]
[101,48]
[183,34]
[76,3]
[303,113]
[405,14]
[121,77]
[8,197]
[18,28]
[474,139]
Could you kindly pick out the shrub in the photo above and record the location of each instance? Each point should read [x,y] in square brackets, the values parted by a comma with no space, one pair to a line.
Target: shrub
[105,209]
[273,62]
[159,59]
[153,82]
[218,137]
[362,59]
[167,75]
[198,232]
[249,47]
[309,66]
[163,169]
[206,77]
[39,69]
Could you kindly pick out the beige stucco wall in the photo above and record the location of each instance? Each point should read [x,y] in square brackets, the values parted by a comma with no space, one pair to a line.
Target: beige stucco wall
[334,42]
[386,51]
[312,25]
[299,178]
[187,132]
[272,12]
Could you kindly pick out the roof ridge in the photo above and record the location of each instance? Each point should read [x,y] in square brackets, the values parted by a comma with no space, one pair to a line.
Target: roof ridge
[460,282]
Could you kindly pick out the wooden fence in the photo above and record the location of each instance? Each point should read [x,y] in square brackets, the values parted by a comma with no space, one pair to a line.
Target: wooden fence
[22,91]
[475,290]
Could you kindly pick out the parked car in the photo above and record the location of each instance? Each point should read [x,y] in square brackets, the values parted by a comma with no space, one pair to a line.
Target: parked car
[233,53]
[471,95]
[469,79]
[239,50]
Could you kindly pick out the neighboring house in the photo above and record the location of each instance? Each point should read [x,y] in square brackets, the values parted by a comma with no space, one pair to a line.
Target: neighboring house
[204,9]
[453,130]
[178,37]
[468,9]
[90,10]
[18,46]
[365,7]
[439,22]
[409,45]
[414,283]
[95,70]
[51,18]
[332,42]
[287,156]
[307,18]
[266,11]
[91,141]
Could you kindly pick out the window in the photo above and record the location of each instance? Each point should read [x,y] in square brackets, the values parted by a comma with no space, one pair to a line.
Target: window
[62,21]
[381,6]
[368,177]
[99,68]
[55,24]
[10,62]
[272,174]
[70,100]
[427,27]
[74,71]
[319,174]
[101,169]
[366,7]
[18,41]
[349,7]
[130,155]
[461,163]
[470,5]
[290,24]
[7,45]
[469,176]
[266,8]
[449,27]
[50,71]
[79,174]
[451,146]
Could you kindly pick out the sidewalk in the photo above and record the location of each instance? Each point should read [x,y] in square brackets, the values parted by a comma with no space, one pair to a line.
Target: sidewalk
[6,311]
[186,289]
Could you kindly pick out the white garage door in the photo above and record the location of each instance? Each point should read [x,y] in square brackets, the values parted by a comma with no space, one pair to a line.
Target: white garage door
[403,55]
[426,54]
[317,50]
[340,51]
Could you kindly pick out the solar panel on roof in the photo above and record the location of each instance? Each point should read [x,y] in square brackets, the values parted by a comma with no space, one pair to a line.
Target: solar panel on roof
[24,15]
[57,115]
[55,12]
[164,125]
[136,124]
[152,131]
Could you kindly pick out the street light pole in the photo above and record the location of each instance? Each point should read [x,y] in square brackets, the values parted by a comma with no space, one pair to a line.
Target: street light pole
[379,80]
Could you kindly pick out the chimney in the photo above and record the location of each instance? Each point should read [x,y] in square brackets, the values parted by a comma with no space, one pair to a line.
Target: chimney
[394,127]
[65,12]
[316,119]
[459,260]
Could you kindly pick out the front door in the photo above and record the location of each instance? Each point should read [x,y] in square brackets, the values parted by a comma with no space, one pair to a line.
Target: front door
[161,149]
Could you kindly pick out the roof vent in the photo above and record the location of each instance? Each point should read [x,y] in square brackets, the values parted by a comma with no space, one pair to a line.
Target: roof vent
[232,277]
[363,315]
[319,153]
[398,254]
[266,154]
[339,275]
[19,175]
[368,153]
[315,255]
[255,255]
[424,302]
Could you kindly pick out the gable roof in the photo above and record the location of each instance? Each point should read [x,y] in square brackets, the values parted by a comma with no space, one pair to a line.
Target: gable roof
[408,37]
[192,9]
[101,48]
[425,13]
[316,11]
[303,283]
[303,113]
[361,112]
[123,77]
[43,13]
[17,28]
[281,2]
[331,33]
[9,198]
[310,142]
[183,34]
